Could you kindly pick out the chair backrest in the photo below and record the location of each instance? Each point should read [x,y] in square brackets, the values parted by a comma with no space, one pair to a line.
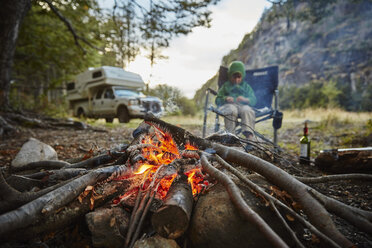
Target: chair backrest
[264,82]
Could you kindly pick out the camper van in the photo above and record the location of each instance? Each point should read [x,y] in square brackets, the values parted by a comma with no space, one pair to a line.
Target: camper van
[110,92]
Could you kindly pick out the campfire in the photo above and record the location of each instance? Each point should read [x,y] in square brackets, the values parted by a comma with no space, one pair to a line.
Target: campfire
[155,165]
[171,185]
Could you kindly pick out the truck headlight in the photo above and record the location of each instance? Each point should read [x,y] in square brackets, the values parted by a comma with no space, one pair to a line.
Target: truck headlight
[134,102]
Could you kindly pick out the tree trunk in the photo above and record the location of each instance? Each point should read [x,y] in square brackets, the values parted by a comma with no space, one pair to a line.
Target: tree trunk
[12,13]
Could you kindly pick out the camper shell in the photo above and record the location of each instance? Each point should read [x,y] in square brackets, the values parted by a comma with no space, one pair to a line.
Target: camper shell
[94,93]
[88,82]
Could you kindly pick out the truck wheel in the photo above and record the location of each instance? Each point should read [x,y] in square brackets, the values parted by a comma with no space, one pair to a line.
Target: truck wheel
[123,115]
[109,120]
[80,113]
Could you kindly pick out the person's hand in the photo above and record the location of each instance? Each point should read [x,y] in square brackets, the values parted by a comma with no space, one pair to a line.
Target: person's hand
[242,99]
[229,99]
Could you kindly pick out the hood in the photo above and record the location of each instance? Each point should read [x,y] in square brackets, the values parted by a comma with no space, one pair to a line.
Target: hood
[150,99]
[236,66]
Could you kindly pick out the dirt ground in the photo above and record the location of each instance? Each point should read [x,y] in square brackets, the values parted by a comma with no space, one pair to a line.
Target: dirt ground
[70,143]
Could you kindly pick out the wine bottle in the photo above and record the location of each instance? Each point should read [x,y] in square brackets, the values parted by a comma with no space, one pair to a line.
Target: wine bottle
[305,147]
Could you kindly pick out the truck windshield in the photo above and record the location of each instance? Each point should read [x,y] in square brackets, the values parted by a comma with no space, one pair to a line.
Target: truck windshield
[124,92]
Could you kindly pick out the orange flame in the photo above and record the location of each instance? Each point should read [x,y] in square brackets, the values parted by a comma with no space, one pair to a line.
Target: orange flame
[143,168]
[195,178]
[190,147]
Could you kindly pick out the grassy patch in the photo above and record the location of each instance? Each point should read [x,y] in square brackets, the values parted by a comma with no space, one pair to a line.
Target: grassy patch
[328,128]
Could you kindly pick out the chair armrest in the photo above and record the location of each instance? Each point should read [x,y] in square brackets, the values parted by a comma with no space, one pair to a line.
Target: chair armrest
[263,111]
[212,91]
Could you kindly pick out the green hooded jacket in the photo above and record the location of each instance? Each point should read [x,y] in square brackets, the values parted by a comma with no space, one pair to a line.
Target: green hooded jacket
[235,90]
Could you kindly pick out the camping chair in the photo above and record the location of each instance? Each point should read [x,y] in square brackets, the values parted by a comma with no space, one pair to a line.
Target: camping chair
[264,82]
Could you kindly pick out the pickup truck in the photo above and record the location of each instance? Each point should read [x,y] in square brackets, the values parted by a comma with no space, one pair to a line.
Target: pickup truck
[110,92]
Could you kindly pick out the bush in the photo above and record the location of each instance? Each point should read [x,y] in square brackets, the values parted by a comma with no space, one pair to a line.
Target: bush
[174,102]
[316,94]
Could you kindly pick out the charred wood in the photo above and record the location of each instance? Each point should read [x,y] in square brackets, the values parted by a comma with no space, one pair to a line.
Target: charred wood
[55,175]
[96,161]
[46,164]
[22,183]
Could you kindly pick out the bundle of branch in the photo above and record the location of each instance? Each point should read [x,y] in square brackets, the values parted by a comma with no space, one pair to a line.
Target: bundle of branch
[33,210]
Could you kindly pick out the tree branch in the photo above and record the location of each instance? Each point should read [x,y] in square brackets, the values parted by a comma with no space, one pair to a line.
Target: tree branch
[324,179]
[71,29]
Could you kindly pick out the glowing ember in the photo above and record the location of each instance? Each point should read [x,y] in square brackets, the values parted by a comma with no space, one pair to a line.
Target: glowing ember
[196,179]
[165,184]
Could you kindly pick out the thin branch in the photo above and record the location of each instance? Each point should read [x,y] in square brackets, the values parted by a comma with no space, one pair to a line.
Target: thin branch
[324,179]
[71,29]
[292,234]
[359,218]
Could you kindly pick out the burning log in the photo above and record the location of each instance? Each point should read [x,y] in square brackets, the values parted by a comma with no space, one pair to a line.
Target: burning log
[172,219]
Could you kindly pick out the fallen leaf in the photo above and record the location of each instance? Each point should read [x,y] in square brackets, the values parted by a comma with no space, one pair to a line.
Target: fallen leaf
[88,188]
[314,239]
[289,217]
[91,206]
[112,222]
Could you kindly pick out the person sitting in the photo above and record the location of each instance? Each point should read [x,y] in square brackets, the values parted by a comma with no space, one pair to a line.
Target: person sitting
[236,98]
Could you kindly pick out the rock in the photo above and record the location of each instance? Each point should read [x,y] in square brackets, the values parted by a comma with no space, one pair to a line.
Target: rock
[32,151]
[216,222]
[156,242]
[108,226]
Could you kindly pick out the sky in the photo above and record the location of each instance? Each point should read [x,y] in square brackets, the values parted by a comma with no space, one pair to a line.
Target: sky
[195,58]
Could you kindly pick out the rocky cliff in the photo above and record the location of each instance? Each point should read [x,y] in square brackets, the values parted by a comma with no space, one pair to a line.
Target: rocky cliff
[336,46]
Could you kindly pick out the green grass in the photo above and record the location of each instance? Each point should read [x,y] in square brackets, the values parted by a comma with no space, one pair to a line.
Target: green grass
[328,128]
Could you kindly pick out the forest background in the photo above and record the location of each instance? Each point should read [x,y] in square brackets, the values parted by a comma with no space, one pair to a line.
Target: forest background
[323,49]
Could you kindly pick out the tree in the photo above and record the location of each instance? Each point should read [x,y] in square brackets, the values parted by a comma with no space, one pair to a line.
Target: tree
[46,55]
[154,23]
[314,11]
[12,14]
